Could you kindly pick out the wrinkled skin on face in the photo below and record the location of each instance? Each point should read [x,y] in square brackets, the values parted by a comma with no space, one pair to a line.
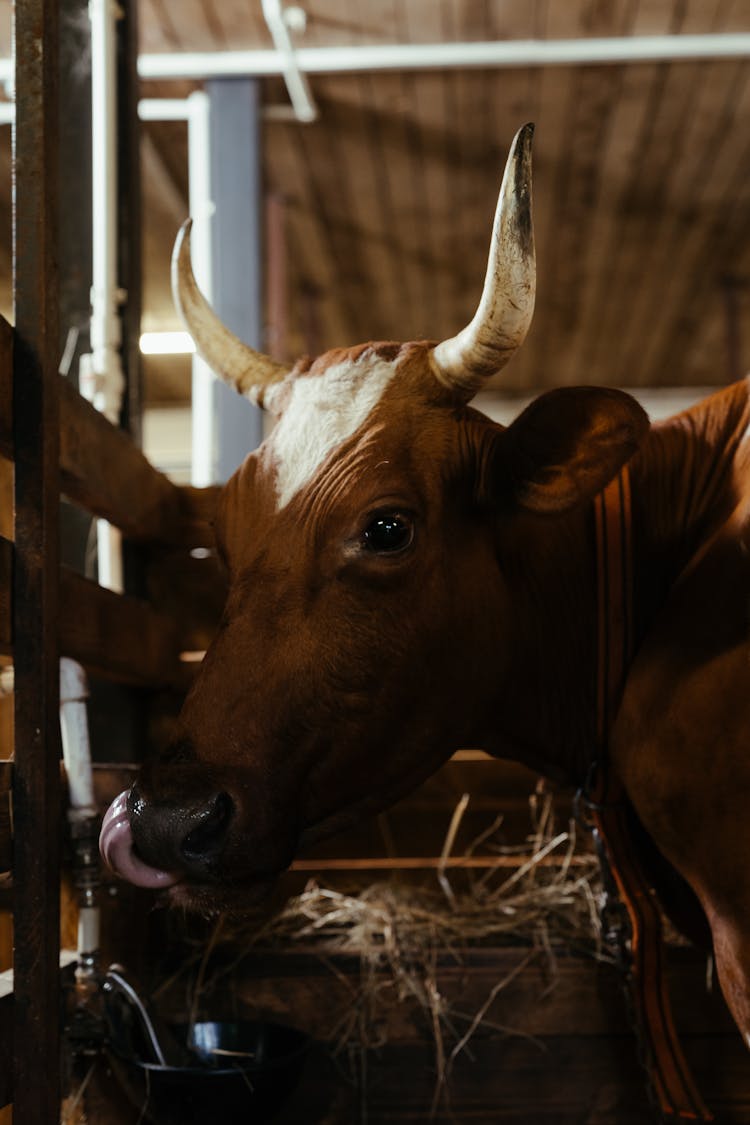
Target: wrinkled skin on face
[342,673]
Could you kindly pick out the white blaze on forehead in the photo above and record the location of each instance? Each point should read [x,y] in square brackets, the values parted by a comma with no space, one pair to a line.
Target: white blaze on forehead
[322,412]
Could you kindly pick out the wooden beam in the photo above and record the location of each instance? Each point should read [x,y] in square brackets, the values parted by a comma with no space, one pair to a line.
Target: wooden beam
[118,637]
[104,472]
[36,429]
[435,863]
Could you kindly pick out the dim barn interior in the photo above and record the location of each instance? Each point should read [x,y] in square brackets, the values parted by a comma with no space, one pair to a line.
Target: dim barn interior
[374,578]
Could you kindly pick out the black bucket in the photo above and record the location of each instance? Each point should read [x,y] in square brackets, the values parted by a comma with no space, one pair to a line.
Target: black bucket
[239,1071]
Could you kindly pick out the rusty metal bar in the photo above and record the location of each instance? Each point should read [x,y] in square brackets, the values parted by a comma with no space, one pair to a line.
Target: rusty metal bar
[36,781]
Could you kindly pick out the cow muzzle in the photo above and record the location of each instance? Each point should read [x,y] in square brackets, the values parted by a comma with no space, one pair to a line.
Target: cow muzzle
[158,844]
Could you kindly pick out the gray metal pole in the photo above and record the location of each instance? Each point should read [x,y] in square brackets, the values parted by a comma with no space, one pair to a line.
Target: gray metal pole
[237,252]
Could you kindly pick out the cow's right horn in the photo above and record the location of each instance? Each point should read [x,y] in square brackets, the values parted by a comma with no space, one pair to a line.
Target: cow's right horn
[248,371]
[507,303]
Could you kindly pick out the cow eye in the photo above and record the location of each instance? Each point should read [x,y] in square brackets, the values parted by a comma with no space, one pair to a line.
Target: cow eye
[387,534]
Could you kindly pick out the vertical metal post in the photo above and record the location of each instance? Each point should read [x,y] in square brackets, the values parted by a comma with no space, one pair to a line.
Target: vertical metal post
[36,782]
[236,251]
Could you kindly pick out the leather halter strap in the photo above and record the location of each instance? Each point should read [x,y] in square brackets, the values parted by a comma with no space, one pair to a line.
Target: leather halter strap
[614,558]
[677,1096]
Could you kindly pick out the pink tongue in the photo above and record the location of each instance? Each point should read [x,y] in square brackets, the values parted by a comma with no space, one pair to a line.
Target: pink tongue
[116,847]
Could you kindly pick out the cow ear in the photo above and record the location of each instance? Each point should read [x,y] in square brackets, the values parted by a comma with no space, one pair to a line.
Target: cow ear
[566,446]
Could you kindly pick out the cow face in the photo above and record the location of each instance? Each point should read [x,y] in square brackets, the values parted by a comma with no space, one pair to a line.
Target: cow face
[361,542]
[343,610]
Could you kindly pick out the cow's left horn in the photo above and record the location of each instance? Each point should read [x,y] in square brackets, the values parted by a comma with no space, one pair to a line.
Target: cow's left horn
[505,309]
[248,371]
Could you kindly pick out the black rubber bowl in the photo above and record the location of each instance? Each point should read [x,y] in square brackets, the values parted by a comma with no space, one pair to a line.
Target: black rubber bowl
[242,1072]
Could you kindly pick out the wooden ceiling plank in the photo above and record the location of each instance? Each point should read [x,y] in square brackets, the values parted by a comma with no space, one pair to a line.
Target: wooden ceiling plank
[431,306]
[391,232]
[516,99]
[657,17]
[684,208]
[348,182]
[700,300]
[704,251]
[427,95]
[164,192]
[380,177]
[620,273]
[592,96]
[311,254]
[733,16]
[353,181]
[470,94]
[620,127]
[562,189]
[645,268]
[711,352]
[214,25]
[690,117]
[186,25]
[598,230]
[241,25]
[551,143]
[156,32]
[331,23]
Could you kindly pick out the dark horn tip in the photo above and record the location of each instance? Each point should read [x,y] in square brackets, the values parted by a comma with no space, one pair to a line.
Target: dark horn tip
[525,136]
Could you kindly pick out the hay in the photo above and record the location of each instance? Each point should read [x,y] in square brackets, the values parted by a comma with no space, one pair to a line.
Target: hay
[550,898]
[401,933]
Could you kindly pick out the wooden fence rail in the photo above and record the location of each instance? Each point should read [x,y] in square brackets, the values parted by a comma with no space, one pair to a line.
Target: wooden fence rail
[103,471]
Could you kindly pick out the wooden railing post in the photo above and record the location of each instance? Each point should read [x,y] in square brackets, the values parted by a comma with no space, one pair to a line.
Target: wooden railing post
[36,782]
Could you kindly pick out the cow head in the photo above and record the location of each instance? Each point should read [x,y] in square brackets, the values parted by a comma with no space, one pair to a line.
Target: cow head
[352,657]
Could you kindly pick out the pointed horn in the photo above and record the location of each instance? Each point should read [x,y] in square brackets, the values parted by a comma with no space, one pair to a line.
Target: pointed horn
[248,371]
[505,309]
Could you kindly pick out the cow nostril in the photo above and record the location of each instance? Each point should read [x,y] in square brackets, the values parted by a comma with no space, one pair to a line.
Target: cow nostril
[207,837]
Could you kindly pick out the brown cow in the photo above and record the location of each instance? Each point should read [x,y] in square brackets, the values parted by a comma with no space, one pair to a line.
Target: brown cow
[408,578]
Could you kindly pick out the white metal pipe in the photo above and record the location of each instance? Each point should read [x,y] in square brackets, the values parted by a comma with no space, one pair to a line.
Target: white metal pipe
[419,56]
[106,335]
[74,729]
[443,56]
[175,109]
[163,109]
[411,56]
[101,377]
[82,810]
[201,205]
[297,85]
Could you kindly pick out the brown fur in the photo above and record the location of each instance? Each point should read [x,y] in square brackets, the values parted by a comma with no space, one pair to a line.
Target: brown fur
[341,678]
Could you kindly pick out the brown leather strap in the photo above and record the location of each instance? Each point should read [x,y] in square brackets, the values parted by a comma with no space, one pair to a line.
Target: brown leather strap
[673,1084]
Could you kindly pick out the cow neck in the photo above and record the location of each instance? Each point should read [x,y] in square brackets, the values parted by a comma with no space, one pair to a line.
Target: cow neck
[641,946]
